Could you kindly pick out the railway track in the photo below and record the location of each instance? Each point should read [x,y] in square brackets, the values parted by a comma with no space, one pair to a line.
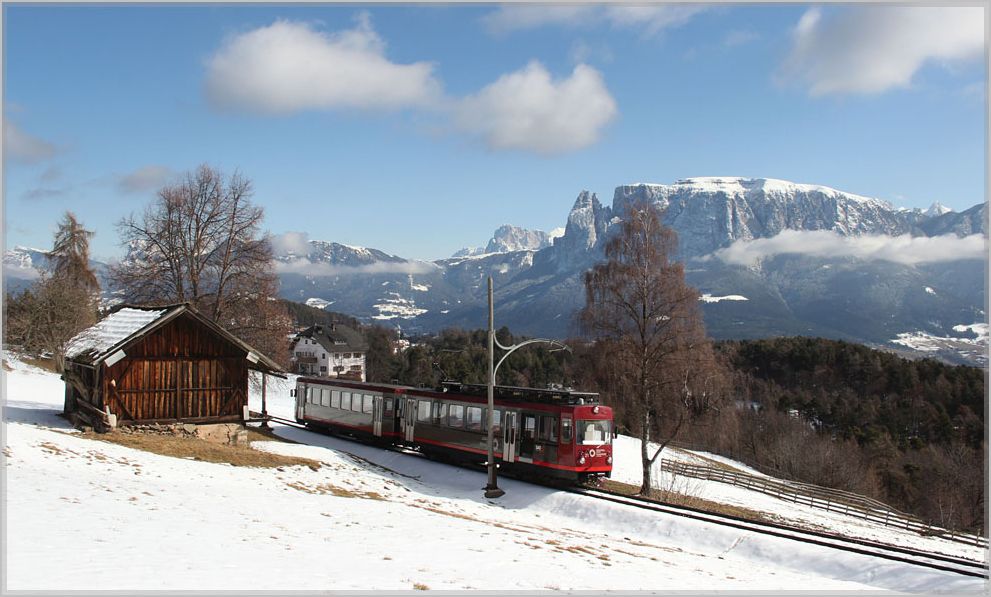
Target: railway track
[905,555]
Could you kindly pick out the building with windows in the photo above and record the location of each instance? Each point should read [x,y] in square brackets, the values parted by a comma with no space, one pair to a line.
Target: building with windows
[334,350]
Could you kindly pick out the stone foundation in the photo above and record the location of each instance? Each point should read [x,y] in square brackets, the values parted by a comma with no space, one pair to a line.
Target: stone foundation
[221,433]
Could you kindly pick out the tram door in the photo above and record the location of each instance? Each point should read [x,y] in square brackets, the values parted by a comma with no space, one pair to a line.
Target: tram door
[300,401]
[377,416]
[409,419]
[528,437]
[509,436]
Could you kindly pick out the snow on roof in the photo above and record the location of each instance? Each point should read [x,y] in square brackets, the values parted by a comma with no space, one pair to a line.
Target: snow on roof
[117,326]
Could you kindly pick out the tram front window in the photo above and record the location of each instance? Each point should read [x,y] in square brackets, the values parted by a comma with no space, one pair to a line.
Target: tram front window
[593,432]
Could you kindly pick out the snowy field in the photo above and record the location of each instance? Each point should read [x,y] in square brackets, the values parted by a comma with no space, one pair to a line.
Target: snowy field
[84,514]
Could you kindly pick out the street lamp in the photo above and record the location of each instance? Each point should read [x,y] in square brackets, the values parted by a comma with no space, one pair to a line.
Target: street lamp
[492,489]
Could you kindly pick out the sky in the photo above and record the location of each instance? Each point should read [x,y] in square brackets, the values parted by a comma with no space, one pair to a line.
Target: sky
[419,129]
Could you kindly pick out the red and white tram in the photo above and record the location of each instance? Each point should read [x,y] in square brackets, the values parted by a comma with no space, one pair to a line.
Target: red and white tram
[538,432]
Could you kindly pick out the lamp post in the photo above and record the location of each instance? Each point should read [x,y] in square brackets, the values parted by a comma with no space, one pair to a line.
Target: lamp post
[491,488]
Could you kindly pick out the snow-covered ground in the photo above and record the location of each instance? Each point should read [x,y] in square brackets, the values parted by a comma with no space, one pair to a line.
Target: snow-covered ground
[974,348]
[84,514]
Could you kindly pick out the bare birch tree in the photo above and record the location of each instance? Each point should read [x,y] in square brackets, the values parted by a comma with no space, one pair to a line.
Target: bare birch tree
[200,242]
[649,327]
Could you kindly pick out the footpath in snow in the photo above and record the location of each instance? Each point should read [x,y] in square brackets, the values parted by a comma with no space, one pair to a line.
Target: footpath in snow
[86,514]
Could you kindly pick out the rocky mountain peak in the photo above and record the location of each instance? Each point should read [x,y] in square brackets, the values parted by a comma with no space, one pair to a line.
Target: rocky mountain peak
[508,238]
[937,209]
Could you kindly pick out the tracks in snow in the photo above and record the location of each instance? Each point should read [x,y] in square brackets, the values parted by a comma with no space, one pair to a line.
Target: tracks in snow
[860,546]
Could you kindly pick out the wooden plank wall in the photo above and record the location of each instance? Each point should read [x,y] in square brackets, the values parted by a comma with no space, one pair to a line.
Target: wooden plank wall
[181,371]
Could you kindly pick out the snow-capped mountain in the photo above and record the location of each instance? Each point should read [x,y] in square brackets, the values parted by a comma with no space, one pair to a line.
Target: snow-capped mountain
[24,263]
[712,212]
[538,290]
[538,276]
[508,238]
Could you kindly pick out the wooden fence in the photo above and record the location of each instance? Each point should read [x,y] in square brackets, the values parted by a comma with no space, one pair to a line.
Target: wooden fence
[833,500]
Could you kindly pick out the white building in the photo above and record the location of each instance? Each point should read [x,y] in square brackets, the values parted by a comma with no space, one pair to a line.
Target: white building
[333,350]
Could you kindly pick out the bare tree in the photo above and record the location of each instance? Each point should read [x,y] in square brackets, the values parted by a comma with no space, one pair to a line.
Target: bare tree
[43,318]
[200,242]
[649,324]
[60,304]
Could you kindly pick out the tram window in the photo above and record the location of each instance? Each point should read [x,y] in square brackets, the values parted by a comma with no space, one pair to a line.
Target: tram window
[335,399]
[439,411]
[324,397]
[496,422]
[309,394]
[455,416]
[548,430]
[366,403]
[593,432]
[346,400]
[474,418]
[565,431]
[387,405]
[529,427]
[423,411]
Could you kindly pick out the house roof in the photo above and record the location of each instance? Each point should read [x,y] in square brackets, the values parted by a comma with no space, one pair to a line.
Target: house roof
[335,337]
[129,323]
[110,331]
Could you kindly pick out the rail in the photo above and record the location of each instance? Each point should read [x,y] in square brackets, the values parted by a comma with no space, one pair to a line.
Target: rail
[831,500]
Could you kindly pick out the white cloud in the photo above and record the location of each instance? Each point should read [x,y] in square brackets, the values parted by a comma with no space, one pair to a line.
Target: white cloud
[904,249]
[528,110]
[651,19]
[739,38]
[309,268]
[290,243]
[875,48]
[25,148]
[290,66]
[144,179]
[557,232]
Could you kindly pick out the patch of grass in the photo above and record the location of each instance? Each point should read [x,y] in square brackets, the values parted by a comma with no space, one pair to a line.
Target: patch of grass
[46,364]
[325,488]
[199,449]
[419,586]
[677,499]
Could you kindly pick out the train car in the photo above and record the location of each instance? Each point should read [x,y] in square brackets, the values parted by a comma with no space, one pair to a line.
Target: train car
[536,432]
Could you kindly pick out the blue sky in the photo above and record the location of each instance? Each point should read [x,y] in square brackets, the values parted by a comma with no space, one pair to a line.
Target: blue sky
[420,129]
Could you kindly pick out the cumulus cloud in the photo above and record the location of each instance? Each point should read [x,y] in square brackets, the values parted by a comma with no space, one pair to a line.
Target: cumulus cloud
[872,49]
[904,249]
[25,148]
[529,110]
[291,66]
[306,267]
[290,243]
[650,19]
[147,178]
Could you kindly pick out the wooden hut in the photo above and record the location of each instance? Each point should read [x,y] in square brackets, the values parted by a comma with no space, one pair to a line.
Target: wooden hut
[160,364]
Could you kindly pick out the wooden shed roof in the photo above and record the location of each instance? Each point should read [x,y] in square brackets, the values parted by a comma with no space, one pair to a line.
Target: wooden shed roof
[128,324]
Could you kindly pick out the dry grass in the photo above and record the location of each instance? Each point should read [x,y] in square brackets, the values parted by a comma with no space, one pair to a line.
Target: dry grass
[419,586]
[336,490]
[690,501]
[192,448]
[46,364]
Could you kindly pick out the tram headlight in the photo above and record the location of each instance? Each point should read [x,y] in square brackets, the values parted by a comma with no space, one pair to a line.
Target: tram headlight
[581,458]
[609,459]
